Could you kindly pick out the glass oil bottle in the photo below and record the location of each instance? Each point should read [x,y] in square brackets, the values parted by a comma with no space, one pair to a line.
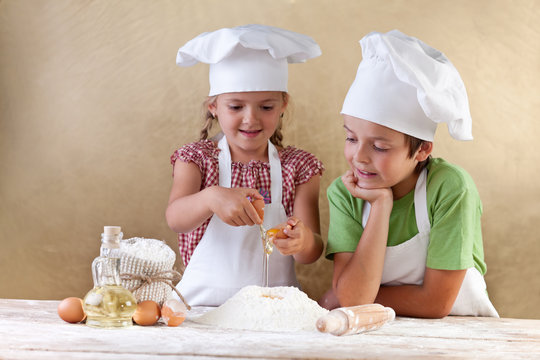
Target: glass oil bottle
[109,304]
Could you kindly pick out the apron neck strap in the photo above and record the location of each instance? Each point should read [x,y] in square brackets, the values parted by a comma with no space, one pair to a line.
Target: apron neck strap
[224,158]
[420,205]
[275,173]
[225,177]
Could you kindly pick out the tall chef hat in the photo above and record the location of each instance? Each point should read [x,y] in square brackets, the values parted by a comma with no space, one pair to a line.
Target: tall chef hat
[249,57]
[406,85]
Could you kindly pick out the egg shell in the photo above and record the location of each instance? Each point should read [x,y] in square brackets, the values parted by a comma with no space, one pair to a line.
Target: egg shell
[258,204]
[147,313]
[71,310]
[173,312]
[276,233]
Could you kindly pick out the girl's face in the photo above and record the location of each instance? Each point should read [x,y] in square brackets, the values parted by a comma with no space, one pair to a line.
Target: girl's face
[379,156]
[248,119]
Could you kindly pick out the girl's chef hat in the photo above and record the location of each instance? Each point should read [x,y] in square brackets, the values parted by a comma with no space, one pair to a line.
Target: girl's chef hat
[249,57]
[406,85]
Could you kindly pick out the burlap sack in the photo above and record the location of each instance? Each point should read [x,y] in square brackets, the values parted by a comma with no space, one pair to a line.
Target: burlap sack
[150,275]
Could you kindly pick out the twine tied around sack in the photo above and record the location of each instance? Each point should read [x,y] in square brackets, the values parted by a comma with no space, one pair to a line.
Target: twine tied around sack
[167,277]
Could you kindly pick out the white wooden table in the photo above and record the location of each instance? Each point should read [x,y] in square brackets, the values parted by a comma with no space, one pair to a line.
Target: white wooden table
[31,329]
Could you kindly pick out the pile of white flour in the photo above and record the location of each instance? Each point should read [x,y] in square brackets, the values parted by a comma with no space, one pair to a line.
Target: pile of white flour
[258,308]
[147,249]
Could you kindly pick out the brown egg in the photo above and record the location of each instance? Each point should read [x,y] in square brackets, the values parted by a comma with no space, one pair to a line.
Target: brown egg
[147,313]
[173,312]
[258,204]
[71,310]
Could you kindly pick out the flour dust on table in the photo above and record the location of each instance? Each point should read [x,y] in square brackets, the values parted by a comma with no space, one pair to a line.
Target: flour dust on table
[282,308]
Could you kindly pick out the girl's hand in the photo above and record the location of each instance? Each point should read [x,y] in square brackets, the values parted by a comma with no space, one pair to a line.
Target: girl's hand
[233,205]
[370,195]
[295,239]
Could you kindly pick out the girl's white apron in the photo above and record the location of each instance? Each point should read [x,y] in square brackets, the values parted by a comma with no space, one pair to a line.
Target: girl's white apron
[230,257]
[406,262]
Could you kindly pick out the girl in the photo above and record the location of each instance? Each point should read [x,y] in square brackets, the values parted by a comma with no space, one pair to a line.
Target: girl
[404,227]
[214,181]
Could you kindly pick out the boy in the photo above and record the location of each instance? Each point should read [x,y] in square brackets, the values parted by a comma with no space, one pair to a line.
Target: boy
[405,228]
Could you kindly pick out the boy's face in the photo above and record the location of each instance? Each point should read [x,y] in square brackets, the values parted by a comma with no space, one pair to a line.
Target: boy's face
[379,156]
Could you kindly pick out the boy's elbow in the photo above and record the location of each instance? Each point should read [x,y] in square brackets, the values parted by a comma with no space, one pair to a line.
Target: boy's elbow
[439,310]
[444,310]
[436,314]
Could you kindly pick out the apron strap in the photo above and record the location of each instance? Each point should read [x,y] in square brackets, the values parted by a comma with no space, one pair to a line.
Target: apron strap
[224,157]
[225,177]
[365,213]
[420,205]
[275,174]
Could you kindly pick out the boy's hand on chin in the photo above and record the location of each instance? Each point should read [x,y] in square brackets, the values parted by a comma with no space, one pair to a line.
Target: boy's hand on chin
[370,195]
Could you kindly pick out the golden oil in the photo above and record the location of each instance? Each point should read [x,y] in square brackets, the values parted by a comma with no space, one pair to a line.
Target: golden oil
[109,306]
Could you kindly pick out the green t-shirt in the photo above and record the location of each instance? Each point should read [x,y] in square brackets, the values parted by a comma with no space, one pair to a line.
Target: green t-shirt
[454,210]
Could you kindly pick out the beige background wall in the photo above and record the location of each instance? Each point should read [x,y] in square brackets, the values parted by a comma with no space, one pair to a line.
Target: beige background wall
[92,105]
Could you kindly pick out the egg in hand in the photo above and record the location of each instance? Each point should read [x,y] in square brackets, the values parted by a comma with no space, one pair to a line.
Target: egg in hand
[258,204]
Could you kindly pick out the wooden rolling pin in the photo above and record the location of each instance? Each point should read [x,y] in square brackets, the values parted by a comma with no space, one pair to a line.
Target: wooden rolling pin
[355,319]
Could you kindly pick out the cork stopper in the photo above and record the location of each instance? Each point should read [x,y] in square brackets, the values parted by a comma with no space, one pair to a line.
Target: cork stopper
[110,239]
[112,230]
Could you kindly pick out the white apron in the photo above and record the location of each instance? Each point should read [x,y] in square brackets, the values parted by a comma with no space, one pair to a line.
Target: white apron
[230,257]
[406,263]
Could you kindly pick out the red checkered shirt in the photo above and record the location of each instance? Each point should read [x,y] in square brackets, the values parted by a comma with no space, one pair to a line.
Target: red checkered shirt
[297,167]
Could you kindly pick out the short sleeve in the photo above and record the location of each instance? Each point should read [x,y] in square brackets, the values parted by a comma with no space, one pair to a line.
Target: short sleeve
[312,166]
[202,153]
[456,209]
[302,164]
[345,227]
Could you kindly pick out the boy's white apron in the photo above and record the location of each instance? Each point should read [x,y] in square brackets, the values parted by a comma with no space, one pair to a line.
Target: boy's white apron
[406,262]
[230,257]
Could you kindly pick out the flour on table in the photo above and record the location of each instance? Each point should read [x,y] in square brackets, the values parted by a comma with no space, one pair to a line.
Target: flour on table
[275,309]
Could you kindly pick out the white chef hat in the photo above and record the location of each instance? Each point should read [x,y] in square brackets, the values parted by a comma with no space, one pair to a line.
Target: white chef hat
[249,57]
[406,85]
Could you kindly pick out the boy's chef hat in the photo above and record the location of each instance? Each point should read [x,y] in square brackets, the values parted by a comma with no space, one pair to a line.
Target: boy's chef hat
[406,85]
[249,57]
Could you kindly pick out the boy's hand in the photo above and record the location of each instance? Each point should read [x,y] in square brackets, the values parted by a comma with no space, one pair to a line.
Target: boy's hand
[370,195]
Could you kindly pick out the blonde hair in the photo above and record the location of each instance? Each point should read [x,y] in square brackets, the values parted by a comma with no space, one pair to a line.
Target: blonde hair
[209,121]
